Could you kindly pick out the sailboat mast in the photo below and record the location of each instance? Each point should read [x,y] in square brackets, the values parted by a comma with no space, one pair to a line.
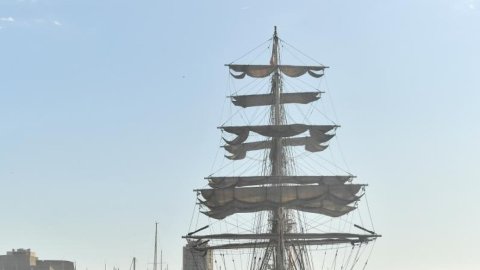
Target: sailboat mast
[155,252]
[277,155]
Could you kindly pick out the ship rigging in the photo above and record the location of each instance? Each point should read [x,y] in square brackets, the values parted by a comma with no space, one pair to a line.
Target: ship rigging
[278,199]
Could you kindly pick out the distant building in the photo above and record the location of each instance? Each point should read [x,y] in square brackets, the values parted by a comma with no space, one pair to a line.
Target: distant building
[24,259]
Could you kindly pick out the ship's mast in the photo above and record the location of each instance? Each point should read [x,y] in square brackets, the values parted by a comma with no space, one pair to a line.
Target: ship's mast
[277,156]
[277,190]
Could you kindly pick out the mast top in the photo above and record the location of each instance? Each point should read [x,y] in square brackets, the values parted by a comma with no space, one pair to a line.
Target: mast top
[275,31]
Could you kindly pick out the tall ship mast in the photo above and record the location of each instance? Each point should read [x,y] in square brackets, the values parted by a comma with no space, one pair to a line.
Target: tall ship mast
[269,211]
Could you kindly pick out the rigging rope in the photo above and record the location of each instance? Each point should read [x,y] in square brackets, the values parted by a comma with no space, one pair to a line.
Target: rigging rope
[283,41]
[263,43]
[324,259]
[356,257]
[369,214]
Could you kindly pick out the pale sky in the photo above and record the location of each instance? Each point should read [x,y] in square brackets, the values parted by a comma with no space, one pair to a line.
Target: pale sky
[109,109]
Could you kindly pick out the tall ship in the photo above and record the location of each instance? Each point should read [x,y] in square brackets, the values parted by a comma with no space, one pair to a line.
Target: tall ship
[272,204]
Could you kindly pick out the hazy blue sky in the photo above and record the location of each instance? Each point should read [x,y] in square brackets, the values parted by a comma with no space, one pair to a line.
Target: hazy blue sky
[100,99]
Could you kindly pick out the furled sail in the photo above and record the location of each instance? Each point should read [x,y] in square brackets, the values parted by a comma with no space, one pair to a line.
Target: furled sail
[312,144]
[241,181]
[325,207]
[276,131]
[262,71]
[268,99]
[330,200]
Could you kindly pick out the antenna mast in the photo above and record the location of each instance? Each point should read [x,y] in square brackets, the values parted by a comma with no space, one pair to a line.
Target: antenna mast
[155,253]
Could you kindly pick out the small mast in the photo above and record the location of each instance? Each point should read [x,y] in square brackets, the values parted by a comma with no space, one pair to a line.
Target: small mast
[155,251]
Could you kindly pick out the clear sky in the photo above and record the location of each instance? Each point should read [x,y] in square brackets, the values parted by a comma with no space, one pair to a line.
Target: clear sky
[109,109]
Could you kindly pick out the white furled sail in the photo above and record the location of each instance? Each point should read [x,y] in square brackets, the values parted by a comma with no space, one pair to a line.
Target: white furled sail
[311,144]
[242,181]
[268,99]
[262,71]
[277,131]
[330,200]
